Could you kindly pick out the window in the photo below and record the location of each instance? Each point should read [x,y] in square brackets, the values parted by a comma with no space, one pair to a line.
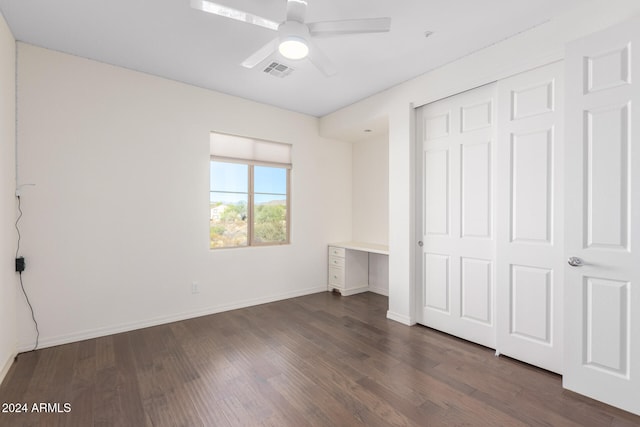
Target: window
[249,192]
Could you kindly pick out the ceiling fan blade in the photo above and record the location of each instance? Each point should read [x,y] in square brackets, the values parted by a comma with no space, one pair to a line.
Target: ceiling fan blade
[296,10]
[349,26]
[261,54]
[320,60]
[238,15]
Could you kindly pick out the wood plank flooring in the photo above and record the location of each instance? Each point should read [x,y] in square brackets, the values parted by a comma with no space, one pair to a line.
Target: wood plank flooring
[318,360]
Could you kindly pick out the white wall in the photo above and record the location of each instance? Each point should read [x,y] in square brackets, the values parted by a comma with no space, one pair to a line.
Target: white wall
[8,280]
[116,228]
[370,221]
[527,50]
[371,190]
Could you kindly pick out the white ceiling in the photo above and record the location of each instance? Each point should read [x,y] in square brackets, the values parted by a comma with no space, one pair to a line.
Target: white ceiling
[170,39]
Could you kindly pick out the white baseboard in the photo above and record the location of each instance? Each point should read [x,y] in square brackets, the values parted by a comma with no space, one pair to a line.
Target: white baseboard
[110,330]
[6,365]
[343,292]
[360,290]
[400,318]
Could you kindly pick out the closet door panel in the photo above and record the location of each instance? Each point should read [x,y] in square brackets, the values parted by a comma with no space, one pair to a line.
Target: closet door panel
[529,243]
[455,195]
[436,193]
[531,292]
[476,290]
[531,186]
[475,195]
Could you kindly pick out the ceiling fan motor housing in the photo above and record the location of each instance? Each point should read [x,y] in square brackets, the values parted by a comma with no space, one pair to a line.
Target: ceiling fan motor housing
[294,29]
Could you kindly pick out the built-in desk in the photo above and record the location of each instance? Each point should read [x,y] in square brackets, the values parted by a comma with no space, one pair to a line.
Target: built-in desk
[349,266]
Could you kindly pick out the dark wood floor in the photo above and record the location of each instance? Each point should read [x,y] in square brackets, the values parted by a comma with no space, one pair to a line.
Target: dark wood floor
[321,360]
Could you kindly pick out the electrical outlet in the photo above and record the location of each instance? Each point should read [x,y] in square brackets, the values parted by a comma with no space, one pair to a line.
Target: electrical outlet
[195,288]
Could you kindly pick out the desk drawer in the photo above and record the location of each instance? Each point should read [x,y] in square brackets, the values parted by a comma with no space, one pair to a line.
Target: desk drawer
[336,276]
[335,251]
[336,261]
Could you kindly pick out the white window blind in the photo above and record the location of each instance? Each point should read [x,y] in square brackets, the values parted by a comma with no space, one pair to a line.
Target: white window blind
[233,148]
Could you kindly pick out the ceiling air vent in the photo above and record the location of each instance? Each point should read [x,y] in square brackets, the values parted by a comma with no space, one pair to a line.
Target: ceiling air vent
[278,70]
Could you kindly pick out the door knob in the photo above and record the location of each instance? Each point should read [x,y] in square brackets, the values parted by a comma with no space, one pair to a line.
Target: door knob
[420,243]
[574,261]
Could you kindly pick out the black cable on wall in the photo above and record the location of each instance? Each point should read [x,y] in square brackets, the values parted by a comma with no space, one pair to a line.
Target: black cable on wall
[33,316]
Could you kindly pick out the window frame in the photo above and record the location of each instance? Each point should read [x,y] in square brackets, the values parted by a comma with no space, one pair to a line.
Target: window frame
[251,164]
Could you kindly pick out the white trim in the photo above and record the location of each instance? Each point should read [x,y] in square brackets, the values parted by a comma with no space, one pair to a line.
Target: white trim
[6,366]
[110,330]
[347,292]
[400,318]
[488,78]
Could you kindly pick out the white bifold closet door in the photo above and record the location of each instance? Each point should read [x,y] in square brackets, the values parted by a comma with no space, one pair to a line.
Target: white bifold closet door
[456,139]
[490,197]
[530,238]
[602,298]
[529,206]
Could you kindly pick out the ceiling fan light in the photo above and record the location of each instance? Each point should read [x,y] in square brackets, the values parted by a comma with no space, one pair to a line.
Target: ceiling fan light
[293,48]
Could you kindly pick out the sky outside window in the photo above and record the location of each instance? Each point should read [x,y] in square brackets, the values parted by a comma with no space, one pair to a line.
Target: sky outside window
[229,183]
[269,180]
[227,179]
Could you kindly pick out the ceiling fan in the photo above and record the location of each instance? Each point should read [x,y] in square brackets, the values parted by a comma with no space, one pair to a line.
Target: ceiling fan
[294,40]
